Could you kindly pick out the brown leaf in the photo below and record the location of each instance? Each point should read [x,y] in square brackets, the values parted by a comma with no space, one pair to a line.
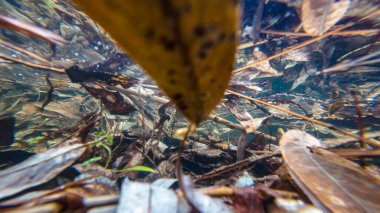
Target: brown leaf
[246,199]
[333,108]
[330,181]
[116,103]
[319,16]
[253,124]
[38,169]
[263,68]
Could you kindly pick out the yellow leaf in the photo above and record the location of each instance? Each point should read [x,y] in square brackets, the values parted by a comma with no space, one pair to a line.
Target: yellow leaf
[187,47]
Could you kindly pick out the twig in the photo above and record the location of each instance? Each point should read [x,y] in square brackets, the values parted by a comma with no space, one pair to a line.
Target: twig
[369,32]
[35,66]
[250,44]
[239,164]
[298,46]
[366,140]
[357,62]
[23,51]
[256,24]
[211,117]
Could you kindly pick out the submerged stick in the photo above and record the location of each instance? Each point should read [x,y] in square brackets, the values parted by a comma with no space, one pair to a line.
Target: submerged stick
[295,47]
[310,41]
[239,164]
[214,118]
[35,66]
[330,126]
[368,32]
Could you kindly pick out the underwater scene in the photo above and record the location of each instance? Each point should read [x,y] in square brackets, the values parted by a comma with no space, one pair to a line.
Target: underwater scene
[189,106]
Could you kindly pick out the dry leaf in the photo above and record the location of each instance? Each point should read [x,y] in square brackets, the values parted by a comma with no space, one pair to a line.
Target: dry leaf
[300,80]
[319,16]
[38,169]
[331,182]
[253,124]
[264,68]
[241,116]
[278,113]
[333,108]
[187,47]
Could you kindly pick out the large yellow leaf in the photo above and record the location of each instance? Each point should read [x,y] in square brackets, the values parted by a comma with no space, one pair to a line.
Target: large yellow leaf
[186,46]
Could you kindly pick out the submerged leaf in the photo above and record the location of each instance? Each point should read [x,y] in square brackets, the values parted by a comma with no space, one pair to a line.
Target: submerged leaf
[319,16]
[300,80]
[38,169]
[330,181]
[333,108]
[142,169]
[253,124]
[188,47]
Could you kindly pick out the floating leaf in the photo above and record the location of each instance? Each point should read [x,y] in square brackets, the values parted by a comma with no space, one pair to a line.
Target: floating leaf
[38,169]
[330,181]
[319,16]
[188,47]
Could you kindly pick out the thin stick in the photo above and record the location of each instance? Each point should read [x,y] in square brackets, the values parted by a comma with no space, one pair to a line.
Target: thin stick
[32,65]
[250,44]
[366,140]
[368,32]
[214,118]
[357,62]
[298,46]
[23,51]
[239,164]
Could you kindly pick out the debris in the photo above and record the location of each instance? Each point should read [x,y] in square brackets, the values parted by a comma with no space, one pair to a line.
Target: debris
[38,169]
[346,186]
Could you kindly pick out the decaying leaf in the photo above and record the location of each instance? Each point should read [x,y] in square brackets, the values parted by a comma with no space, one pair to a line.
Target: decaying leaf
[300,80]
[116,103]
[333,108]
[246,199]
[188,47]
[38,169]
[331,182]
[278,113]
[262,69]
[253,124]
[319,16]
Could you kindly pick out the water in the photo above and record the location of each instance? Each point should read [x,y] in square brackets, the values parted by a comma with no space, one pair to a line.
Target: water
[291,80]
[89,86]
